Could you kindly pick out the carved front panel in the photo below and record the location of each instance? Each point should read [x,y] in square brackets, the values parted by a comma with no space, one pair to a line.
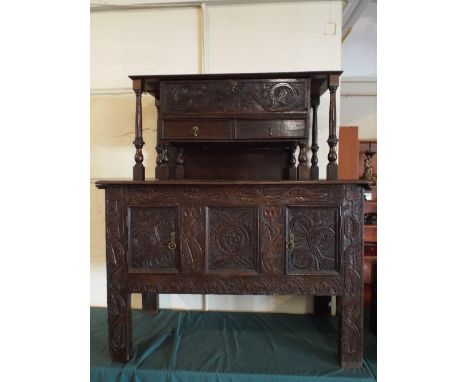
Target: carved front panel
[223,96]
[232,240]
[154,239]
[312,236]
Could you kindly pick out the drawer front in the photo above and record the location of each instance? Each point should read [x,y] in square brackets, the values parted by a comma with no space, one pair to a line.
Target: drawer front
[244,96]
[271,129]
[196,129]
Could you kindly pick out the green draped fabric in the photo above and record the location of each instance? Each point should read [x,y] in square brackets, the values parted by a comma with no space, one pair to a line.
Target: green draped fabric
[192,346]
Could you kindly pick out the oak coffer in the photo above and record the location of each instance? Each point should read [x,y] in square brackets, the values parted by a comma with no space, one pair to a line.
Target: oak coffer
[237,206]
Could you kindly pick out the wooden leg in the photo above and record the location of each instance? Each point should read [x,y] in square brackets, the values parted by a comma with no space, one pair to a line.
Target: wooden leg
[350,308]
[322,305]
[150,302]
[120,326]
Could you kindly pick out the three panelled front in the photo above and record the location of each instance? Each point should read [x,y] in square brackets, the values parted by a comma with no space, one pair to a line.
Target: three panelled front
[234,239]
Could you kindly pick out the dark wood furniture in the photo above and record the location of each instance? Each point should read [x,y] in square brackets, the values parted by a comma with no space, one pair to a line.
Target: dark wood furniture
[232,211]
[370,227]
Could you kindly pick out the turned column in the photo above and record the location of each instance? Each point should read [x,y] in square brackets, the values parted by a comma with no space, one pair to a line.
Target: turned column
[138,168]
[332,167]
[302,169]
[315,169]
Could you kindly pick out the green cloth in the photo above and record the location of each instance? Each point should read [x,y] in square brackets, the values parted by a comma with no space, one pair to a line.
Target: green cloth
[192,346]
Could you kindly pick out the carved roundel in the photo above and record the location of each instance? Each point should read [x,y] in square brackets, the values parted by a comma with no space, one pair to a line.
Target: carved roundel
[283,96]
[232,239]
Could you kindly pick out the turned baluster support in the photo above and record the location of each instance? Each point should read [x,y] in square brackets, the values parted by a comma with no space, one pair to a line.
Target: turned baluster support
[180,170]
[315,146]
[138,168]
[302,169]
[332,167]
[292,162]
[162,161]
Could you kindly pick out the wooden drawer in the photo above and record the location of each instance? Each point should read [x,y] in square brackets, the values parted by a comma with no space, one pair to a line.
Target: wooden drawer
[271,129]
[196,129]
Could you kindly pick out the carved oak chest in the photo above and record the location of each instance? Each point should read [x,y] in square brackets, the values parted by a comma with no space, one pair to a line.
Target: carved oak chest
[231,212]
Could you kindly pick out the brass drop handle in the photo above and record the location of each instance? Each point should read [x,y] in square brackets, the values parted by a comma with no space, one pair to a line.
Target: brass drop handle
[270,131]
[172,244]
[195,131]
[290,243]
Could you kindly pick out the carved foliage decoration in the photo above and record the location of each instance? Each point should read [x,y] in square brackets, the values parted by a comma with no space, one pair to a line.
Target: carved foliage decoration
[235,96]
[152,229]
[236,194]
[232,239]
[314,235]
[118,301]
[193,239]
[352,305]
[209,284]
[272,237]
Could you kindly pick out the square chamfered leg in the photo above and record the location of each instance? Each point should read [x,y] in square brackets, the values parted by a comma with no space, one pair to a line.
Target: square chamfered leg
[150,302]
[119,315]
[350,311]
[120,326]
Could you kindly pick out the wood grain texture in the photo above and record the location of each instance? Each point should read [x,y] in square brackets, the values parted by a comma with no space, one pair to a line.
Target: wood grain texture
[232,239]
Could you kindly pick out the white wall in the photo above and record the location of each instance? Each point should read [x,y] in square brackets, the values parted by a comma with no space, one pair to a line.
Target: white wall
[238,38]
[359,79]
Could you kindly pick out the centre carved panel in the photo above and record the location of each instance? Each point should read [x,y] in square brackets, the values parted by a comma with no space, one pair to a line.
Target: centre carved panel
[312,239]
[232,240]
[153,240]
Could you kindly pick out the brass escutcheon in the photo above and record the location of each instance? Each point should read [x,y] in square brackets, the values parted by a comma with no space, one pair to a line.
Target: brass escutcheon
[290,243]
[172,244]
[195,131]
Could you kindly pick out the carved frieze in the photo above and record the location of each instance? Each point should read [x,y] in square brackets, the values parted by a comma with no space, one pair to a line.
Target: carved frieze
[270,194]
[222,96]
[210,284]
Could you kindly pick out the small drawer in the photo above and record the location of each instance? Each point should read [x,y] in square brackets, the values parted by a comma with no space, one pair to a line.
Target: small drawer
[271,129]
[196,129]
